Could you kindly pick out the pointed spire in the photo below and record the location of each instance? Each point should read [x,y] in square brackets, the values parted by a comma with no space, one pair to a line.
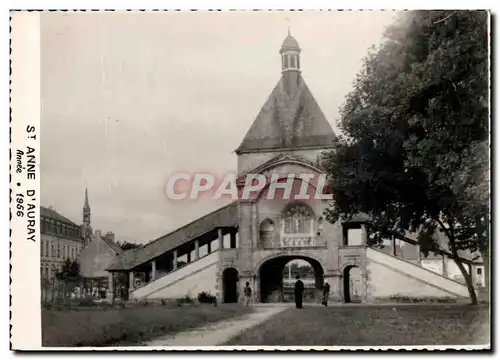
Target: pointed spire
[86,203]
[289,31]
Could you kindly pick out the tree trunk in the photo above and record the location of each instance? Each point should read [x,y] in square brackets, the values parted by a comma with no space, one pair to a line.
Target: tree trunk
[468,277]
[468,280]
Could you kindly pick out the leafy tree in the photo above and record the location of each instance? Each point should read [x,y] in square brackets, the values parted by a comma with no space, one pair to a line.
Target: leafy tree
[414,150]
[70,270]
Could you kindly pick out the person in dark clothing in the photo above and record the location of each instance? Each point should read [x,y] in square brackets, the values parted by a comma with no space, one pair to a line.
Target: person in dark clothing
[248,294]
[299,291]
[326,293]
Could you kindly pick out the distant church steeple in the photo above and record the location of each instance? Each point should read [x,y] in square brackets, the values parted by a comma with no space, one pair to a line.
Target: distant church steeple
[86,228]
[86,209]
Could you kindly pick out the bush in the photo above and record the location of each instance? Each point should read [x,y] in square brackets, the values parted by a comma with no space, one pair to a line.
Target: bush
[86,302]
[206,298]
[184,300]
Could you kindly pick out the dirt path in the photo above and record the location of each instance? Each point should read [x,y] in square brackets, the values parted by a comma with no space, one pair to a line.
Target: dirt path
[220,332]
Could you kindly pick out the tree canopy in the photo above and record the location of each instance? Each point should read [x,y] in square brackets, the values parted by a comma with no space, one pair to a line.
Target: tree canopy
[70,270]
[414,153]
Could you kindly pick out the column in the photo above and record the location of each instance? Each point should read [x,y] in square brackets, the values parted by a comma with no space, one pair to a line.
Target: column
[110,293]
[394,252]
[153,270]
[245,234]
[253,242]
[419,255]
[175,259]
[282,234]
[364,235]
[445,265]
[221,239]
[196,249]
[364,288]
[233,239]
[131,284]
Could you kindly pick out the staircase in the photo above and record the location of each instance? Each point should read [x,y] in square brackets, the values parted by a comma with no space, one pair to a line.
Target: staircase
[390,276]
[190,280]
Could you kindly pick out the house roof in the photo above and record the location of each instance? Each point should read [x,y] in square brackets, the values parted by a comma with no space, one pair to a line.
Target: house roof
[113,245]
[226,216]
[54,215]
[289,121]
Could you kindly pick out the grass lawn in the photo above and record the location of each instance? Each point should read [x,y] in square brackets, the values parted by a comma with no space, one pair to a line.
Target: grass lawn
[128,326]
[375,325]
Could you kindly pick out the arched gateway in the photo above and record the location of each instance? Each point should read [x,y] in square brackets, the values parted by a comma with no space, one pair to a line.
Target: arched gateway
[272,279]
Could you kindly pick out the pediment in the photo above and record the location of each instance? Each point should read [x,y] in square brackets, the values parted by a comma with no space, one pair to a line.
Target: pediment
[280,161]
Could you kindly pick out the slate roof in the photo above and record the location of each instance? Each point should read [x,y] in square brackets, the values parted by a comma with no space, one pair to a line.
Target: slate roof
[288,121]
[54,215]
[113,245]
[290,43]
[226,216]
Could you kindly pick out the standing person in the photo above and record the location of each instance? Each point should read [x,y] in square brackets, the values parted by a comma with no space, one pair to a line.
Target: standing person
[248,293]
[326,293]
[299,291]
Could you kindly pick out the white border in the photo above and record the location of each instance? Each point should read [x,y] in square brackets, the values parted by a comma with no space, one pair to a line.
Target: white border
[126,4]
[25,105]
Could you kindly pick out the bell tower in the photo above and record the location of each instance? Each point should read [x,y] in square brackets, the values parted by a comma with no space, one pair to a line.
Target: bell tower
[290,54]
[290,63]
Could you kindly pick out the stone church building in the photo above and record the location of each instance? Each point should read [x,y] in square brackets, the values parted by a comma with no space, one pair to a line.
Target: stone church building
[252,240]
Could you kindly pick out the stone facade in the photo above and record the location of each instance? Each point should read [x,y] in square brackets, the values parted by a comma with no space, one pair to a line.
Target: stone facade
[60,240]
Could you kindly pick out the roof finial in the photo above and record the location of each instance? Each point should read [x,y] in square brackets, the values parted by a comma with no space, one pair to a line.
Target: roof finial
[288,22]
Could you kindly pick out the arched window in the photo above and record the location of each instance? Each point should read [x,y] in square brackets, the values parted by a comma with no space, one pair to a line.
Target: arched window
[298,219]
[266,230]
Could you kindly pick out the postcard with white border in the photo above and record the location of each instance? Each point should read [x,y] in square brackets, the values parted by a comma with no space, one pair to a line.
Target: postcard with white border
[250,180]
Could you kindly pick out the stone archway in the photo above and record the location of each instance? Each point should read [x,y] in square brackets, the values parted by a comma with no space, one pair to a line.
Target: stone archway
[230,285]
[353,283]
[271,277]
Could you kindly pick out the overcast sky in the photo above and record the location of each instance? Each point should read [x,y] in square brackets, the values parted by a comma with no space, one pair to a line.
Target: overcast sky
[129,98]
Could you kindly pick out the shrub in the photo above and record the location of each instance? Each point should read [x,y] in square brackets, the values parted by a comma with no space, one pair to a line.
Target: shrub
[184,300]
[88,301]
[206,298]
